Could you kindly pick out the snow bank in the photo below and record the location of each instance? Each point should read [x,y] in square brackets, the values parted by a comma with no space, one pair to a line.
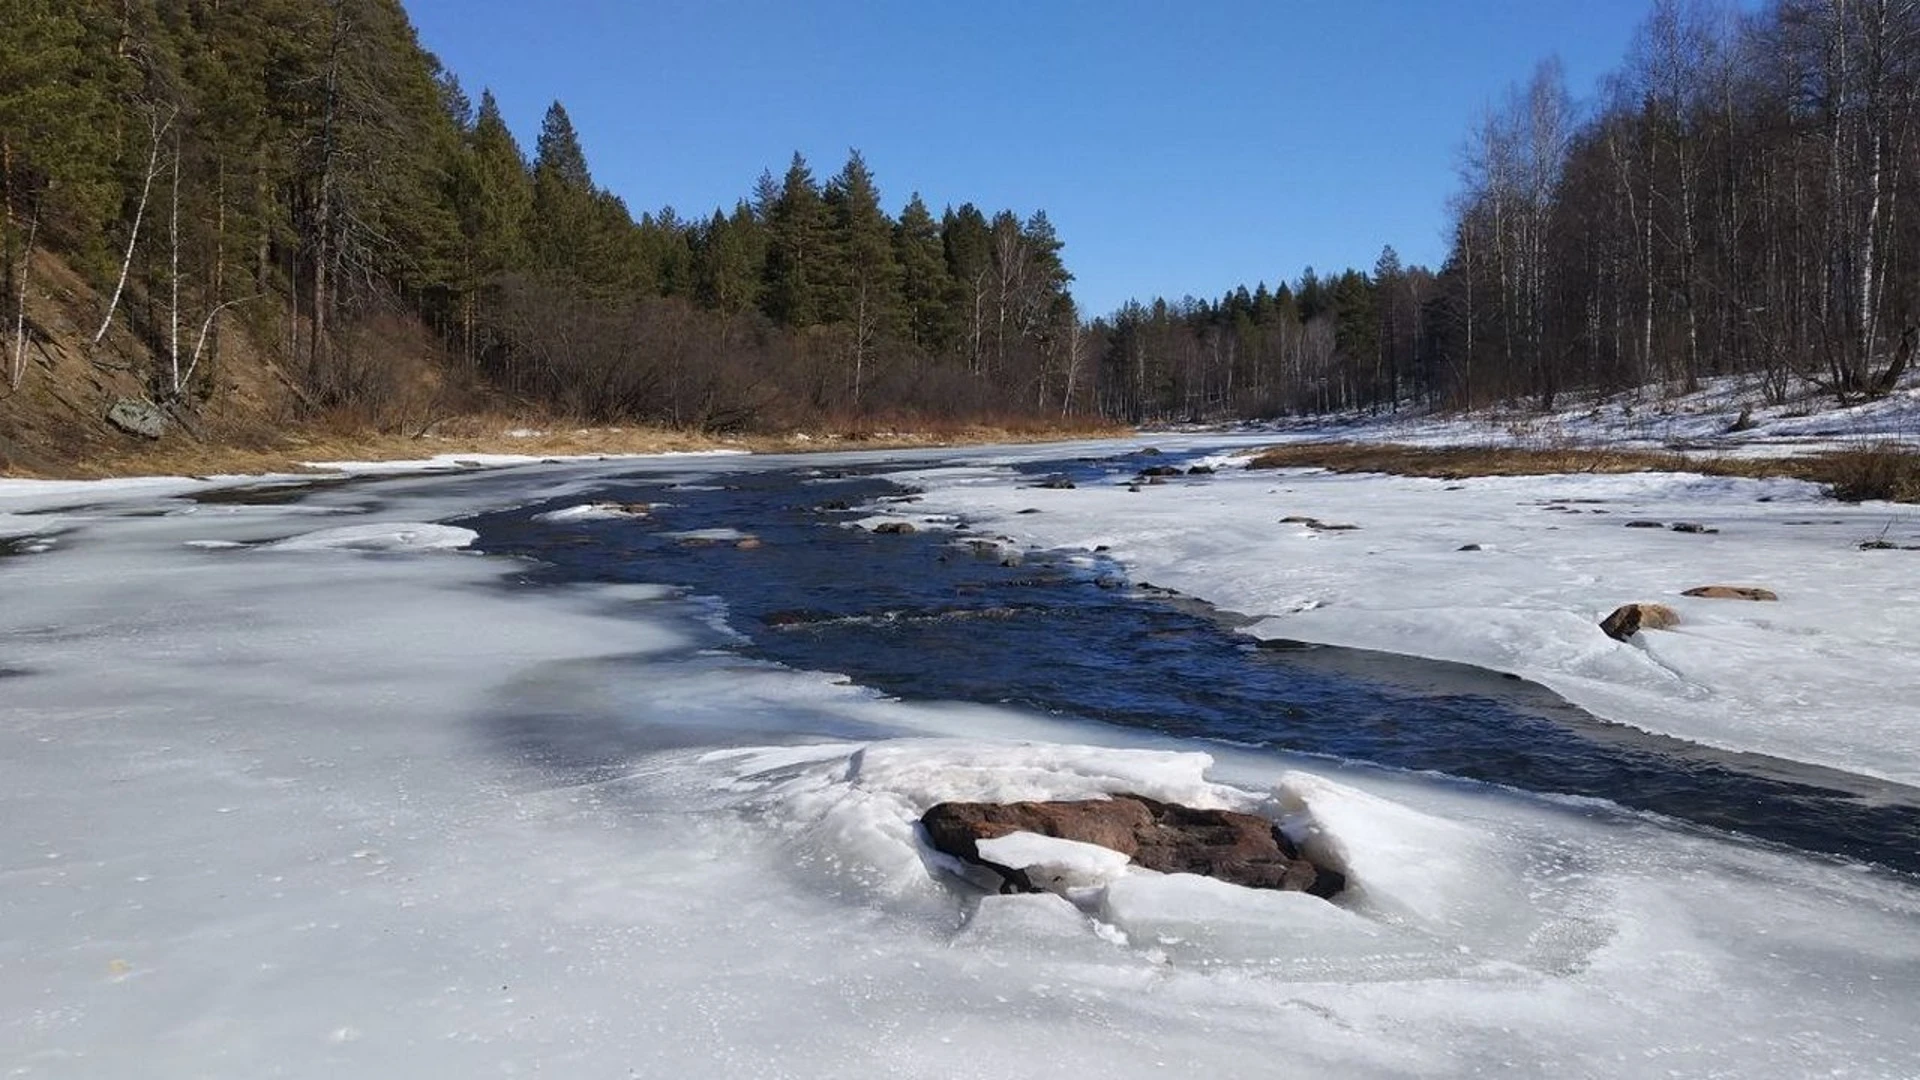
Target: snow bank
[1730,414]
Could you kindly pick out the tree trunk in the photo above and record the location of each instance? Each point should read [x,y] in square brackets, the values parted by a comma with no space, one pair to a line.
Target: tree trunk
[173,274]
[159,128]
[19,369]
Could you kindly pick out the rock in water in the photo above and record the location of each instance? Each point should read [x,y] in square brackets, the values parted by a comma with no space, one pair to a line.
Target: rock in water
[1629,619]
[136,417]
[1244,849]
[1732,592]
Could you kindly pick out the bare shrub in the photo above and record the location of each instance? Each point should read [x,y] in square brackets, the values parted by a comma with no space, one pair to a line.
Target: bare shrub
[1887,470]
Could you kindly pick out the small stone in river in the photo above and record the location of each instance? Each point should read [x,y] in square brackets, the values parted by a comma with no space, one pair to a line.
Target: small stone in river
[1692,527]
[1468,547]
[894,528]
[1646,524]
[1057,483]
[1732,592]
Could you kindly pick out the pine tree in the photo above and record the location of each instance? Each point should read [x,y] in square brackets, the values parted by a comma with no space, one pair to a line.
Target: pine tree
[796,249]
[968,244]
[729,260]
[863,276]
[566,218]
[925,283]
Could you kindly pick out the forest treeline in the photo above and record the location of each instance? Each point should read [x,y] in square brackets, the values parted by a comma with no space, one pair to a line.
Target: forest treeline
[1742,198]
[1739,199]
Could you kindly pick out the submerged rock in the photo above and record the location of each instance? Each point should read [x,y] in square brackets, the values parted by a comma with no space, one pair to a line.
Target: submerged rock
[1244,849]
[895,527]
[1732,592]
[1629,619]
[1316,524]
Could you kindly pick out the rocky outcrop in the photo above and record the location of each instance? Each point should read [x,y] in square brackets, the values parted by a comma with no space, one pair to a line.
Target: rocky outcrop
[1732,592]
[136,417]
[1244,849]
[1629,619]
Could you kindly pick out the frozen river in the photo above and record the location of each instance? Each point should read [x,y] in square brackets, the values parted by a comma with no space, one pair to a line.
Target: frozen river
[297,781]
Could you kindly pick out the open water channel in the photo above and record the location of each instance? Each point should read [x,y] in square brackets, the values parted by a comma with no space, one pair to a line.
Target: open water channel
[948,616]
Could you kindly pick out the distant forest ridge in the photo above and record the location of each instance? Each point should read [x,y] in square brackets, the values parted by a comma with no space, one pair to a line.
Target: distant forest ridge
[1740,198]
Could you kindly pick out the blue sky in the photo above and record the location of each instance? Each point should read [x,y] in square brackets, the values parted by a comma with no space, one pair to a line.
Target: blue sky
[1178,148]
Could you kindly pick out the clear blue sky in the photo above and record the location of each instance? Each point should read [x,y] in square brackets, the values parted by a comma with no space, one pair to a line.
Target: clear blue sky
[1179,148]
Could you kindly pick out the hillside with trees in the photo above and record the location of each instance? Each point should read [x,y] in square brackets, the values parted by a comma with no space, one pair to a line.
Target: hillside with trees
[286,212]
[298,186]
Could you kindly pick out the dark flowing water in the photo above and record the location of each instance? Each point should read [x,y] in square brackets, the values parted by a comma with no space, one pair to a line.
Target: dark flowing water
[932,616]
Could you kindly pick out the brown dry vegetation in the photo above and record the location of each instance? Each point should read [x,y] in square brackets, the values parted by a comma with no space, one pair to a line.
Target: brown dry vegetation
[1883,471]
[247,414]
[289,450]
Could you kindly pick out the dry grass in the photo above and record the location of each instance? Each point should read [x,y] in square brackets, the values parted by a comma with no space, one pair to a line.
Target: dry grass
[288,451]
[1890,471]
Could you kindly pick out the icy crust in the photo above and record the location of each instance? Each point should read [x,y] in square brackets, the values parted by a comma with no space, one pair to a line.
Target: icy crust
[1426,896]
[597,511]
[386,536]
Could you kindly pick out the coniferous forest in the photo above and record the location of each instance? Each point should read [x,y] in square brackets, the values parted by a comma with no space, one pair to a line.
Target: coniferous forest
[1738,198]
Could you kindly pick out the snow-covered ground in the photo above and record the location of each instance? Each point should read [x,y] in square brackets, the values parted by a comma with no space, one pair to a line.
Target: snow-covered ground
[283,798]
[1731,415]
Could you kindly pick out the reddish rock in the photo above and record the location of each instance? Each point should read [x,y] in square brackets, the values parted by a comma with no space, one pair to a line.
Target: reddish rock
[1244,849]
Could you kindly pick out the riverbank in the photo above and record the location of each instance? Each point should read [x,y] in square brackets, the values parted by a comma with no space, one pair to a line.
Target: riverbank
[495,440]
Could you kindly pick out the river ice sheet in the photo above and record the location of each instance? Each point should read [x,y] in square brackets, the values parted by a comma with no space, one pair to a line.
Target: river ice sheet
[320,810]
